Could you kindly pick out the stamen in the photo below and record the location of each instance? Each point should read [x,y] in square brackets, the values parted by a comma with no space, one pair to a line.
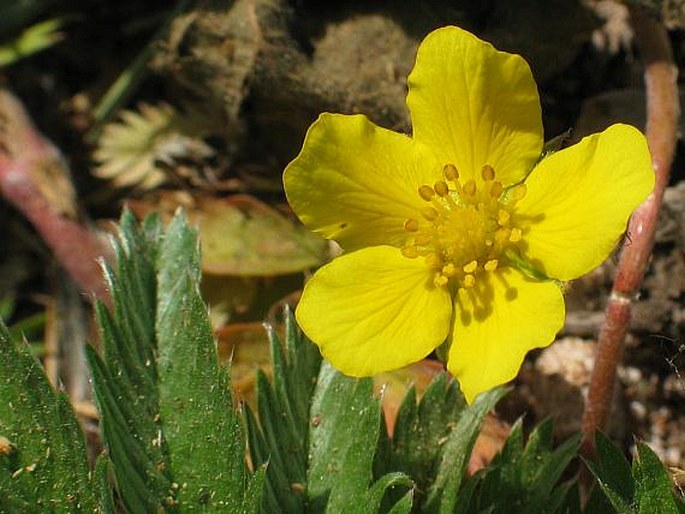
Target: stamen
[410,251]
[449,270]
[422,239]
[441,188]
[502,236]
[411,225]
[429,213]
[426,192]
[450,172]
[440,280]
[503,218]
[518,192]
[432,260]
[462,231]
[488,173]
[491,265]
[496,189]
[470,267]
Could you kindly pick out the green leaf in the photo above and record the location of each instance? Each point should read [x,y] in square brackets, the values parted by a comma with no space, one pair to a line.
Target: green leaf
[166,410]
[281,437]
[103,488]
[542,467]
[420,427]
[442,495]
[653,487]
[194,393]
[125,380]
[523,478]
[32,40]
[44,463]
[386,484]
[345,421]
[614,469]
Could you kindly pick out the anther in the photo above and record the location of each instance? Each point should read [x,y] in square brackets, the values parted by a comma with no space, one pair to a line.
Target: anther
[468,281]
[426,192]
[411,225]
[503,218]
[440,280]
[488,173]
[490,265]
[429,213]
[441,188]
[518,192]
[422,239]
[449,270]
[496,189]
[470,188]
[432,260]
[470,267]
[515,235]
[410,251]
[450,172]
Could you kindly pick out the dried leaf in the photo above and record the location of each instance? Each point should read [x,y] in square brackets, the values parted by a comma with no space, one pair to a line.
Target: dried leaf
[136,150]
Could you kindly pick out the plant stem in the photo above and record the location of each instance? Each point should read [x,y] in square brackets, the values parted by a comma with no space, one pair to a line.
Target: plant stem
[663,111]
[34,178]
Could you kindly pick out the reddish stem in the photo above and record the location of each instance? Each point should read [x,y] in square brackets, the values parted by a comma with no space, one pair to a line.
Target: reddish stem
[663,111]
[31,171]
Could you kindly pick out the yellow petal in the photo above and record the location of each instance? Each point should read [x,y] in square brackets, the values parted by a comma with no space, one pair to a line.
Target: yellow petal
[357,183]
[579,199]
[473,105]
[496,323]
[374,310]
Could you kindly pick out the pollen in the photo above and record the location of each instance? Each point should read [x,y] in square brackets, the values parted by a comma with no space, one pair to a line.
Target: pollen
[466,228]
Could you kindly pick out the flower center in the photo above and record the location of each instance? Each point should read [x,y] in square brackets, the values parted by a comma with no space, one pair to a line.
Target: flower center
[464,229]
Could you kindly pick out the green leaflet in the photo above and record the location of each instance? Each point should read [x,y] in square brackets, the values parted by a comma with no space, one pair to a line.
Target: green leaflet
[646,488]
[46,465]
[523,478]
[174,439]
[443,492]
[420,432]
[317,433]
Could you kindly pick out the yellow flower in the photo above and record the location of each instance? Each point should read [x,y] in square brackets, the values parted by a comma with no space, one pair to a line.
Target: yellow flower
[459,233]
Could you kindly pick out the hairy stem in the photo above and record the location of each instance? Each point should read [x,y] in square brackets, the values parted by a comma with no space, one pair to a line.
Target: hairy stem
[35,180]
[663,111]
